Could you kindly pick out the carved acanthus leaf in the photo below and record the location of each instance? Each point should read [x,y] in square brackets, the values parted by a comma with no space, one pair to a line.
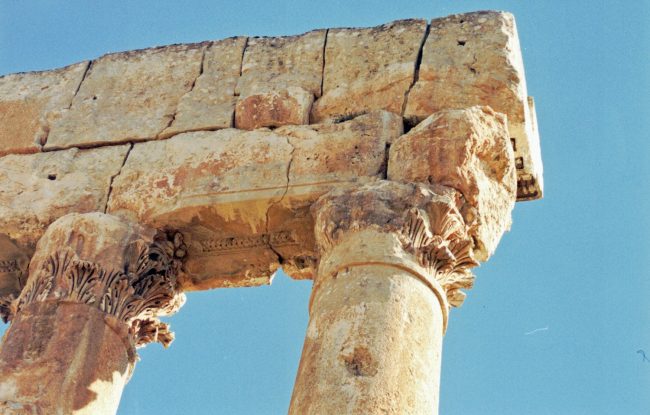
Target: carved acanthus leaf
[440,242]
[135,292]
[151,330]
[7,307]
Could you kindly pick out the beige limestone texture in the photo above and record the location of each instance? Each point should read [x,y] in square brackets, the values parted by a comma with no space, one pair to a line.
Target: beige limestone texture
[276,63]
[373,346]
[369,69]
[280,78]
[51,355]
[30,102]
[470,151]
[475,59]
[274,108]
[96,285]
[391,256]
[37,189]
[211,102]
[212,186]
[128,96]
[242,198]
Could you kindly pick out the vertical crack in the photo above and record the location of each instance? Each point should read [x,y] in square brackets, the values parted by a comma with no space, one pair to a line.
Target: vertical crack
[236,92]
[189,91]
[418,63]
[243,52]
[42,140]
[83,78]
[110,186]
[286,190]
[322,76]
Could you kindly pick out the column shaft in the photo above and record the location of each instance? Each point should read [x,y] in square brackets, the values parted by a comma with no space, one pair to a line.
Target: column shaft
[373,345]
[63,358]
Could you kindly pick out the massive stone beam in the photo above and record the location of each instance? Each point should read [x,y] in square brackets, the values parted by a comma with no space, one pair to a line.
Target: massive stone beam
[382,163]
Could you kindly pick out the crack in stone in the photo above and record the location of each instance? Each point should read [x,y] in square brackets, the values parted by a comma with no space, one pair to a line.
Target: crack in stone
[189,91]
[46,125]
[286,190]
[418,63]
[110,186]
[236,93]
[83,78]
[322,76]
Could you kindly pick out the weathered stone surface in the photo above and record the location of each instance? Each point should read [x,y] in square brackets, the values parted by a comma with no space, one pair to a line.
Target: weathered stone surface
[37,189]
[13,273]
[273,109]
[276,63]
[128,96]
[369,69]
[242,198]
[326,156]
[391,254]
[30,102]
[280,78]
[215,187]
[211,102]
[468,150]
[63,358]
[475,59]
[96,285]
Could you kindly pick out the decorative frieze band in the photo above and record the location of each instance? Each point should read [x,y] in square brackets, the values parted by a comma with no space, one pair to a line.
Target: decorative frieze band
[241,243]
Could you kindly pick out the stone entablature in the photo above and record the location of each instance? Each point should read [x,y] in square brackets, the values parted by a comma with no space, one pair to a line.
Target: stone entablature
[161,135]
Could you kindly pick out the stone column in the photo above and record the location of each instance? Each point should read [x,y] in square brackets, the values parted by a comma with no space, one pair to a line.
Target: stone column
[96,286]
[393,258]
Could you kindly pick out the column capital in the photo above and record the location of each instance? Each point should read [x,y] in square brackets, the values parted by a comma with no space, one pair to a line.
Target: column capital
[124,270]
[428,233]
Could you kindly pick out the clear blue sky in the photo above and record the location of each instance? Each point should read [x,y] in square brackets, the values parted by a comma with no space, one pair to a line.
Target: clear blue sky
[576,262]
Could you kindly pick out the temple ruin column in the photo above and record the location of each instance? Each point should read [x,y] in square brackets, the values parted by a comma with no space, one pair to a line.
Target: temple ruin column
[394,256]
[95,289]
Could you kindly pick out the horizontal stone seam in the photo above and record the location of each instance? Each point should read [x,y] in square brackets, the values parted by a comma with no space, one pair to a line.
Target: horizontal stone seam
[110,186]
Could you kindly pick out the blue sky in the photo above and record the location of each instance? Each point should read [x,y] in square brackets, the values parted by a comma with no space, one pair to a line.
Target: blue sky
[574,263]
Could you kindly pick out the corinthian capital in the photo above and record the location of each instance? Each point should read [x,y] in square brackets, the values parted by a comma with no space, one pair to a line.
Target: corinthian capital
[425,220]
[125,271]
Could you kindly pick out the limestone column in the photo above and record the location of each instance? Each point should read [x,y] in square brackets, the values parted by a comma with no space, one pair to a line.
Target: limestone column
[95,289]
[393,258]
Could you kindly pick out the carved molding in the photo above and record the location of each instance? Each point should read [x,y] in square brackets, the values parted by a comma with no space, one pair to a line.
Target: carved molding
[439,240]
[144,288]
[227,245]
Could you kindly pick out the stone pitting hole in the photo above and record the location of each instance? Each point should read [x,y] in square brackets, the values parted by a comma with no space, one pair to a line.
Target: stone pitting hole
[461,43]
[51,176]
[360,362]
